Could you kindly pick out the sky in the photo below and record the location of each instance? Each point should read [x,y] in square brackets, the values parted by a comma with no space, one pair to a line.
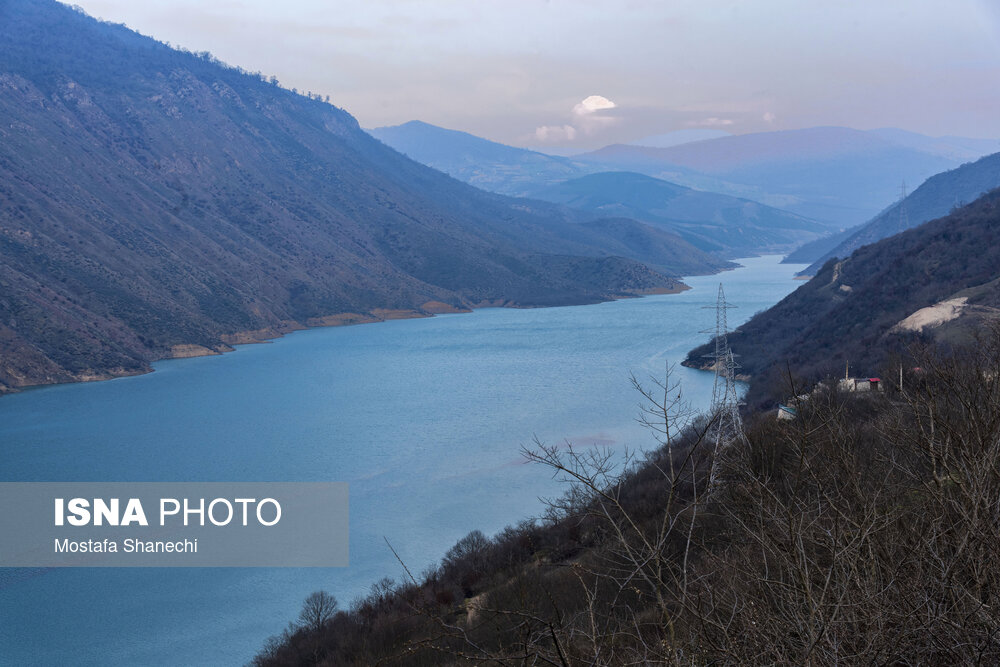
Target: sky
[579,74]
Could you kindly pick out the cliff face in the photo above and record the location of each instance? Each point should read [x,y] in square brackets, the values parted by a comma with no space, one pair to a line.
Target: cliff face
[151,199]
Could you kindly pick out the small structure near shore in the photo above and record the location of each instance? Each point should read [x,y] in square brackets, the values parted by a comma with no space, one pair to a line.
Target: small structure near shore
[786,413]
[860,384]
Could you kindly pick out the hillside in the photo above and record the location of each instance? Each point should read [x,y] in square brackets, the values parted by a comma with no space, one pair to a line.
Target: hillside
[814,545]
[849,312]
[485,164]
[963,149]
[937,196]
[709,221]
[155,203]
[813,250]
[678,137]
[809,541]
[836,175]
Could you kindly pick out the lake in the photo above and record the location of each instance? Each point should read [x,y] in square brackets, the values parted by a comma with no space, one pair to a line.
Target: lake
[424,418]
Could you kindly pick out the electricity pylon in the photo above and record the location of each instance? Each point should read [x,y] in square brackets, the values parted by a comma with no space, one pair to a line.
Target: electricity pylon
[725,410]
[904,219]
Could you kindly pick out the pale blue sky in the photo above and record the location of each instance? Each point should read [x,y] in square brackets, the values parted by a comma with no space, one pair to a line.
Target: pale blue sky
[515,70]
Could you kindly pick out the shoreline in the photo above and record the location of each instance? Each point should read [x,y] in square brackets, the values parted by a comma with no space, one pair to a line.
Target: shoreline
[229,342]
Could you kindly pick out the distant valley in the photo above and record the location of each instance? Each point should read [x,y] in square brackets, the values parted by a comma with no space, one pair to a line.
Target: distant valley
[936,197]
[817,484]
[837,176]
[729,226]
[156,203]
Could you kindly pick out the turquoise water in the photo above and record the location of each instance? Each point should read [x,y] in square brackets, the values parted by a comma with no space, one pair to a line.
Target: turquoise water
[424,418]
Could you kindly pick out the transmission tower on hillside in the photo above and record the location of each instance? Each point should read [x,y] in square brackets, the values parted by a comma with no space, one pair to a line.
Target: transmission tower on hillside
[904,219]
[725,410]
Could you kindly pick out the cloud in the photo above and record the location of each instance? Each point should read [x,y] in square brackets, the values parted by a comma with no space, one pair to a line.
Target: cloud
[713,122]
[591,116]
[592,105]
[588,117]
[555,133]
[769,117]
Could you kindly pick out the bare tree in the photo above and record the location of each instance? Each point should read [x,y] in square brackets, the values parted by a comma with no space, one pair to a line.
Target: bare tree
[618,605]
[863,531]
[317,610]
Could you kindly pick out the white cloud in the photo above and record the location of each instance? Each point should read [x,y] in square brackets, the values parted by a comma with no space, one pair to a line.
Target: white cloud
[713,122]
[555,133]
[587,118]
[593,104]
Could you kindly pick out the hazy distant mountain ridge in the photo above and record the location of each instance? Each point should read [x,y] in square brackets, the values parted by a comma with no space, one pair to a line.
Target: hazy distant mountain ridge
[955,148]
[934,198]
[678,137]
[833,174]
[838,176]
[710,221]
[810,252]
[485,164]
[154,203]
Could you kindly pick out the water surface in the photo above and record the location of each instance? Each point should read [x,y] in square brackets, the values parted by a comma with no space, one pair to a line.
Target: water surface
[424,418]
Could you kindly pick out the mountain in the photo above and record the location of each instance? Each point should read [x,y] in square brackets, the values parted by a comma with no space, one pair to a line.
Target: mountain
[712,222]
[835,175]
[935,197]
[962,149]
[884,297]
[479,162]
[813,250]
[678,137]
[156,203]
